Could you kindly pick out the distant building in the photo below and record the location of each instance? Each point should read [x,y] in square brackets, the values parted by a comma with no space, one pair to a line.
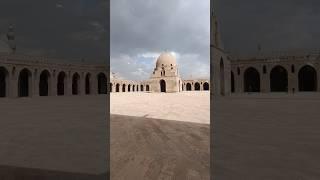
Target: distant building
[164,78]
[29,76]
[289,72]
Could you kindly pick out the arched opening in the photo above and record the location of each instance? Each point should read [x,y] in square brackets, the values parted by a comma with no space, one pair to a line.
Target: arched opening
[307,78]
[221,77]
[279,79]
[129,88]
[102,83]
[188,87]
[44,83]
[88,83]
[232,82]
[75,84]
[111,85]
[141,88]
[133,88]
[251,80]
[60,85]
[3,81]
[163,86]
[123,88]
[206,86]
[137,87]
[182,87]
[117,87]
[197,86]
[147,88]
[24,84]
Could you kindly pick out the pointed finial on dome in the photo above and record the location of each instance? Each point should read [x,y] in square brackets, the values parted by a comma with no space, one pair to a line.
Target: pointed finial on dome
[10,33]
[11,38]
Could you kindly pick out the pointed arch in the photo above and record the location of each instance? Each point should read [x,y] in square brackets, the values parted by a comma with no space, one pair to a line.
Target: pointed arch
[61,83]
[102,83]
[88,83]
[4,81]
[307,78]
[44,83]
[232,82]
[251,80]
[75,84]
[163,86]
[278,79]
[25,83]
[197,86]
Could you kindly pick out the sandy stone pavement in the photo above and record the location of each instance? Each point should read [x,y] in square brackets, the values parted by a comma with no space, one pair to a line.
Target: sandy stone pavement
[155,149]
[60,134]
[266,137]
[160,136]
[192,106]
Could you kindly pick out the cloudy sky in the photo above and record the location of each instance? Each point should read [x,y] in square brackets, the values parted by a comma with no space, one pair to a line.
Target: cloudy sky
[275,24]
[142,29]
[58,28]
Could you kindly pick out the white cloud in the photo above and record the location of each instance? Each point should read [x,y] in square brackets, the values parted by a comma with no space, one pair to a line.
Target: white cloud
[58,5]
[149,54]
[142,29]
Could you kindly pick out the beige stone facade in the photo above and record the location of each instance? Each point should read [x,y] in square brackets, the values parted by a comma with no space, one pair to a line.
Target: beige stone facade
[29,76]
[220,62]
[289,72]
[164,78]
[26,76]
[278,73]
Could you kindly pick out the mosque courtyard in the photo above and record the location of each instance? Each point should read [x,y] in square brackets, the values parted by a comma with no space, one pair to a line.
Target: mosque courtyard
[160,135]
[61,137]
[267,136]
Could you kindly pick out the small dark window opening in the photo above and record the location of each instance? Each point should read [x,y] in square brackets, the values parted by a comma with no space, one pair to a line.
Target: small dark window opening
[238,71]
[264,69]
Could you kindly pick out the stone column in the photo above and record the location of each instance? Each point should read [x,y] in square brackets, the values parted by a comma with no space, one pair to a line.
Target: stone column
[82,84]
[113,87]
[241,90]
[13,83]
[34,83]
[264,82]
[94,84]
[53,88]
[69,84]
[292,82]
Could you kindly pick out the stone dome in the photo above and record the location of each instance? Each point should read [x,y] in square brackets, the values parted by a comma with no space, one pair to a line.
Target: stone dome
[166,59]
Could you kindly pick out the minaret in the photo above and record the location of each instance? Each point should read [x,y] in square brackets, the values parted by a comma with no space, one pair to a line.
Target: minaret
[11,38]
[215,34]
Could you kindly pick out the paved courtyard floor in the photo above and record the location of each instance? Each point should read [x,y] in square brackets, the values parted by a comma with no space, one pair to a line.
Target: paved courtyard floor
[160,136]
[267,137]
[192,106]
[56,137]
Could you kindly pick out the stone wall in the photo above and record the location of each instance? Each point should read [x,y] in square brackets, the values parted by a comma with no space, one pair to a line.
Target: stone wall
[22,75]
